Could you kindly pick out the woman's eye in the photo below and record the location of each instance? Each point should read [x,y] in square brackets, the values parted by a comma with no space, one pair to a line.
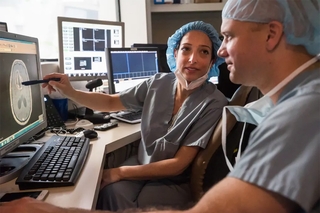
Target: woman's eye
[206,52]
[185,48]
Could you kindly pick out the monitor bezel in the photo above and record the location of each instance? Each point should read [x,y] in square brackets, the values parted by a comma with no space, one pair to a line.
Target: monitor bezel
[61,19]
[111,86]
[142,45]
[26,136]
[163,65]
[5,25]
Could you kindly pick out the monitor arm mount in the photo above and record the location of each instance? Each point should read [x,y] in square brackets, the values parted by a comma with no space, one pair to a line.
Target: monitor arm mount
[91,85]
[94,84]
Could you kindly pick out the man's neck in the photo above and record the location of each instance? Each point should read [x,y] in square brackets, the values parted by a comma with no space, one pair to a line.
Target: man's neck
[281,68]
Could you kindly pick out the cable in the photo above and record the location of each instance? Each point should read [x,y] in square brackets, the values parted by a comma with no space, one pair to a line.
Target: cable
[58,130]
[72,131]
[119,11]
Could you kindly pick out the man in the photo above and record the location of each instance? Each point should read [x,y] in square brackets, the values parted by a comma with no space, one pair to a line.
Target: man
[264,43]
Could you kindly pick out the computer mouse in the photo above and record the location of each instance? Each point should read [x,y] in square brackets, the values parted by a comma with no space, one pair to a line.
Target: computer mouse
[89,133]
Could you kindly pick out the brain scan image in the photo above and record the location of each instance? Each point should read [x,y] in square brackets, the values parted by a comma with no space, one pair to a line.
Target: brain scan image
[20,95]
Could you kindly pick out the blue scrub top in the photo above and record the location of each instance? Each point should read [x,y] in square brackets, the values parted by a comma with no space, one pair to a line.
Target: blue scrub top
[194,122]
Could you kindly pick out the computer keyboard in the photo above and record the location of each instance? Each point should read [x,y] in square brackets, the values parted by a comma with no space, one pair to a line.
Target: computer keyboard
[58,163]
[53,117]
[128,116]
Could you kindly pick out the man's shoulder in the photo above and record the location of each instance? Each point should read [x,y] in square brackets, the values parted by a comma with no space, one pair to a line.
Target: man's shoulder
[307,84]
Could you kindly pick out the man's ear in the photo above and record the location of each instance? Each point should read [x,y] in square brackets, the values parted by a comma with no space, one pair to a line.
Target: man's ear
[275,33]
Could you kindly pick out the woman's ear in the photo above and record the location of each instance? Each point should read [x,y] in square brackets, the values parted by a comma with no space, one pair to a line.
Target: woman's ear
[175,53]
[275,33]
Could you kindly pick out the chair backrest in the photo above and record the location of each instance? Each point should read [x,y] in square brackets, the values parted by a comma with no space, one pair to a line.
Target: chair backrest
[209,166]
[227,87]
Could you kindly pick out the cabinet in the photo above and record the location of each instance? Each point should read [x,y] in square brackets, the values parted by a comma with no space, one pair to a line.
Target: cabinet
[194,7]
[164,19]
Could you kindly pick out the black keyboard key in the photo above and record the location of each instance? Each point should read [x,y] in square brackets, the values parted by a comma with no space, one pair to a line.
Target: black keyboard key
[28,177]
[44,177]
[72,162]
[65,177]
[36,177]
[59,176]
[51,177]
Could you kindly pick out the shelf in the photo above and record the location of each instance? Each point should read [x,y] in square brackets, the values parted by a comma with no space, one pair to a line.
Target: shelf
[162,8]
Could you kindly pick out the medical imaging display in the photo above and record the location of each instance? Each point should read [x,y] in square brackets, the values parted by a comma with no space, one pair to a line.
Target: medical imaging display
[20,96]
[19,104]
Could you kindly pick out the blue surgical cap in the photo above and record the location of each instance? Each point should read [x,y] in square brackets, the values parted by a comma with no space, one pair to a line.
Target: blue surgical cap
[300,18]
[174,41]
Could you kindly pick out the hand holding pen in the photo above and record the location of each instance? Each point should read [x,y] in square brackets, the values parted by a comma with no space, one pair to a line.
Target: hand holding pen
[63,85]
[32,82]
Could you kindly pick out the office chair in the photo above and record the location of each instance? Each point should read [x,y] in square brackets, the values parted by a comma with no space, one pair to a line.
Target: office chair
[209,166]
[224,84]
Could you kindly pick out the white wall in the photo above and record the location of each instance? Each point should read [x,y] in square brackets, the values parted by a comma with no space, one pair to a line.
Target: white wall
[134,16]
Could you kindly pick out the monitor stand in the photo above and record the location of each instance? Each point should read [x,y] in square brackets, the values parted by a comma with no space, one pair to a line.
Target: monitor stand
[12,163]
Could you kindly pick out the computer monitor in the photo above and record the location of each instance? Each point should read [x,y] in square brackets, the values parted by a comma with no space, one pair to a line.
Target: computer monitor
[22,107]
[128,67]
[82,44]
[163,65]
[3,26]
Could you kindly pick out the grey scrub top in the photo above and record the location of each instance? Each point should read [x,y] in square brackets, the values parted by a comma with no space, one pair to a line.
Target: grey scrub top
[194,122]
[283,154]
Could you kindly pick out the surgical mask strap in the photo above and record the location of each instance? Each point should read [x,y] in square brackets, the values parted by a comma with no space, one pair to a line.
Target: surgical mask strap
[224,137]
[192,84]
[240,143]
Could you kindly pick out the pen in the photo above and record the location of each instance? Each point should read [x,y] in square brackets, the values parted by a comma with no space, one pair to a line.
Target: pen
[32,82]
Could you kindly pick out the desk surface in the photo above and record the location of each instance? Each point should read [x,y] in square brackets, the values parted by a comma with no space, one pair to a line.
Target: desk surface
[85,193]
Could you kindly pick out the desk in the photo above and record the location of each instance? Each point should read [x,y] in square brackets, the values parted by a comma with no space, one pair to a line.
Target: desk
[85,193]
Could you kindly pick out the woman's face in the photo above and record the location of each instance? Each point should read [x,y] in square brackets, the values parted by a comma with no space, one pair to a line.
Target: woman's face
[193,57]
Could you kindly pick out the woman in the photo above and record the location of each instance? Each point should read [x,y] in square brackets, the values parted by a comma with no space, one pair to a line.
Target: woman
[179,112]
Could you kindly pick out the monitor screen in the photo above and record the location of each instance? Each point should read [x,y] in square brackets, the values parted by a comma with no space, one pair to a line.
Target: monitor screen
[128,67]
[163,65]
[22,107]
[82,44]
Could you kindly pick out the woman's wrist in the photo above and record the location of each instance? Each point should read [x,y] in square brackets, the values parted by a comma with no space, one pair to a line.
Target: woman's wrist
[74,95]
[121,171]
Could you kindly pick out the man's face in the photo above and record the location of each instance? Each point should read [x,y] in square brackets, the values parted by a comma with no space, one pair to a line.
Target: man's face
[193,56]
[243,48]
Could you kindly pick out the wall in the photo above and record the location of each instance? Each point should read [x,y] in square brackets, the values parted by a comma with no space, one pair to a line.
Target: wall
[161,30]
[134,15]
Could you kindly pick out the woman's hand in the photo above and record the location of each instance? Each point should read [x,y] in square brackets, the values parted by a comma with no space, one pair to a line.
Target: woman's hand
[64,85]
[110,176]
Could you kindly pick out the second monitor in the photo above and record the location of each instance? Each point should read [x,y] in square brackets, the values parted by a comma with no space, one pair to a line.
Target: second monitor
[163,65]
[82,43]
[127,67]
